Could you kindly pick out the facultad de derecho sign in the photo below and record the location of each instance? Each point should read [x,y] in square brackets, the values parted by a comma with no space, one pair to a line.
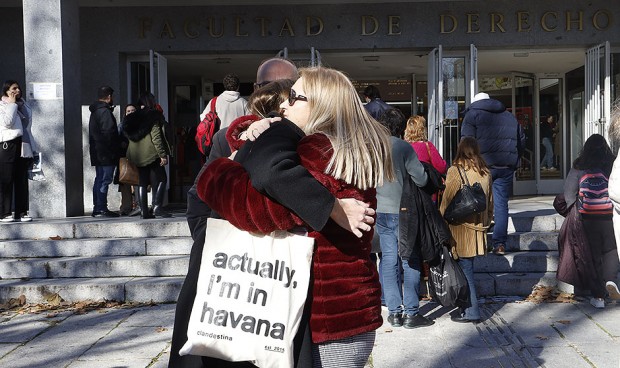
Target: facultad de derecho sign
[373,25]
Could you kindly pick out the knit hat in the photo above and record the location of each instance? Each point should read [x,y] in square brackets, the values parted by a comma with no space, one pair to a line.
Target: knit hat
[480,96]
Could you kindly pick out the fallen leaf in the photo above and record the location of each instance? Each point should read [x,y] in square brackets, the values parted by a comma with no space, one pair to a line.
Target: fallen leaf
[57,237]
[565,322]
[161,329]
[54,299]
[542,337]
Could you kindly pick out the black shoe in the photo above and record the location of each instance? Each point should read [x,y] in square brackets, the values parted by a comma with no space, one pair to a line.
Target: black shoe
[106,213]
[416,321]
[395,319]
[462,319]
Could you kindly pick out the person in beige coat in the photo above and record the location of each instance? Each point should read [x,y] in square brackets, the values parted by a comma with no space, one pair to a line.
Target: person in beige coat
[470,236]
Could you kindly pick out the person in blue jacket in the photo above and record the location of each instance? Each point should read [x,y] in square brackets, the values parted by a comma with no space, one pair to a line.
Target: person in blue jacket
[374,104]
[501,140]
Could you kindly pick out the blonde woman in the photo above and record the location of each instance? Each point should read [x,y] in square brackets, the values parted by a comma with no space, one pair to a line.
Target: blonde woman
[416,134]
[470,236]
[349,153]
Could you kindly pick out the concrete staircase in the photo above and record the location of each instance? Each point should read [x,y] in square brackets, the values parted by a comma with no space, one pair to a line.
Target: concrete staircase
[129,259]
[123,259]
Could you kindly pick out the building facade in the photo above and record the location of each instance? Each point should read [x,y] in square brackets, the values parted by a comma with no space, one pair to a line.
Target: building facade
[554,59]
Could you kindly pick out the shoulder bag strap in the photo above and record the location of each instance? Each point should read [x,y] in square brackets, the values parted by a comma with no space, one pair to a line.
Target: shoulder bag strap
[463,177]
[213,101]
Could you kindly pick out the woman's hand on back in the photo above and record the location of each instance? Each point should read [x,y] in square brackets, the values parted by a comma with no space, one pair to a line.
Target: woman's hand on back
[258,127]
[353,215]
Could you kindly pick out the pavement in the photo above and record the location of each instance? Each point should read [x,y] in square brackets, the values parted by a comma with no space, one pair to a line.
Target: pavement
[543,330]
[513,333]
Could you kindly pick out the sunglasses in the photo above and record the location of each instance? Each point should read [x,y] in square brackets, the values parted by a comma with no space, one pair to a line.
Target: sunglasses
[293,96]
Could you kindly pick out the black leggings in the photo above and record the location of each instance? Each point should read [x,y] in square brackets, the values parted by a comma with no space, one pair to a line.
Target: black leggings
[600,234]
[152,174]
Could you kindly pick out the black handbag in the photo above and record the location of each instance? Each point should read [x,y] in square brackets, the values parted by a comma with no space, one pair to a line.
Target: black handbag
[469,200]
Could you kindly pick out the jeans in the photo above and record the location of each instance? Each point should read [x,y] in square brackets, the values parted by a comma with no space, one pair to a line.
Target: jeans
[467,265]
[387,227]
[502,187]
[103,178]
[547,161]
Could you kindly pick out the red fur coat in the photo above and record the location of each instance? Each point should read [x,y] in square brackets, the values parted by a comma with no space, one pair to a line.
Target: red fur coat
[345,286]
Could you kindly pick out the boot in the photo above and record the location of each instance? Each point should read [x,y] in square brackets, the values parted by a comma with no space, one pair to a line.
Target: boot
[144,203]
[158,200]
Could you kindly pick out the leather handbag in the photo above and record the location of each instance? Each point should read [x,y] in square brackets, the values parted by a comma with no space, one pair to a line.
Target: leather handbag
[469,200]
[128,172]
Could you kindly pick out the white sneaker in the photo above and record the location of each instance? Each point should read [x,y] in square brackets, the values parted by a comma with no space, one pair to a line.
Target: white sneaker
[8,218]
[25,218]
[612,289]
[597,303]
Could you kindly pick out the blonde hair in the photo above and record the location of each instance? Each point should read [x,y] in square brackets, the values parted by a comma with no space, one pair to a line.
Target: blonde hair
[362,149]
[416,129]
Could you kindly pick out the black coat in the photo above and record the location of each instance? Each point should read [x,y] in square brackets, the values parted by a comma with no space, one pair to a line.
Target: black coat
[575,266]
[103,136]
[422,229]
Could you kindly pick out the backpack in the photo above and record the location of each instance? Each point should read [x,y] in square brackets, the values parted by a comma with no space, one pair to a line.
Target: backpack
[207,129]
[593,198]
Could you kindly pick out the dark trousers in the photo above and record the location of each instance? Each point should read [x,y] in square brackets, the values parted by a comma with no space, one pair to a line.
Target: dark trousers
[10,153]
[21,186]
[600,234]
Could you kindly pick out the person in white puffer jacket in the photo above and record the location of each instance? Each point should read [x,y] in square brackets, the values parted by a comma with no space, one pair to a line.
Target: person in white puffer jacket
[614,186]
[17,148]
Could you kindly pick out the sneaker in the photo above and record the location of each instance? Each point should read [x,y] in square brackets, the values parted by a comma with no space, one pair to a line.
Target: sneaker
[395,319]
[25,218]
[612,289]
[8,218]
[416,321]
[500,250]
[597,302]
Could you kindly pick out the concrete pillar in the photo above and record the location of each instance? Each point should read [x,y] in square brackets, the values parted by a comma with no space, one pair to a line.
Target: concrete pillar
[52,60]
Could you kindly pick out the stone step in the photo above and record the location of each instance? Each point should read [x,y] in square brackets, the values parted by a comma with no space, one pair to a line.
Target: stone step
[86,267]
[122,289]
[518,262]
[95,247]
[166,289]
[531,240]
[88,227]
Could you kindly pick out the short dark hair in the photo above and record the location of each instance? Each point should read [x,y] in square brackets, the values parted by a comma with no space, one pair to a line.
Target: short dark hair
[395,121]
[104,91]
[231,82]
[372,92]
[7,85]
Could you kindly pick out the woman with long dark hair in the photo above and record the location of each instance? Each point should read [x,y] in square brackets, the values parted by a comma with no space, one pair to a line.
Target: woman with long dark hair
[149,150]
[595,159]
[469,236]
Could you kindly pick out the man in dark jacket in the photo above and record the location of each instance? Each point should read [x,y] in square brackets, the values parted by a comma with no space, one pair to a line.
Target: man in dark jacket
[501,140]
[374,104]
[104,143]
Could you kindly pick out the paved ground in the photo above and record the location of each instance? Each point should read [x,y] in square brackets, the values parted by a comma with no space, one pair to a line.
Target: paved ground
[513,334]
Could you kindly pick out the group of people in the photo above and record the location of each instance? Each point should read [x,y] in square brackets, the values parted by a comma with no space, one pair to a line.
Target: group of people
[311,155]
[17,149]
[308,155]
[142,140]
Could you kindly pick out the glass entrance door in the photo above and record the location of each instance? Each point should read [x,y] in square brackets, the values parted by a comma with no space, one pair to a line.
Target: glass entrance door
[524,108]
[452,78]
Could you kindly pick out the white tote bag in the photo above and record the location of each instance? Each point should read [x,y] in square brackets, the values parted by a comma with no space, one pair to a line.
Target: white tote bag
[250,296]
